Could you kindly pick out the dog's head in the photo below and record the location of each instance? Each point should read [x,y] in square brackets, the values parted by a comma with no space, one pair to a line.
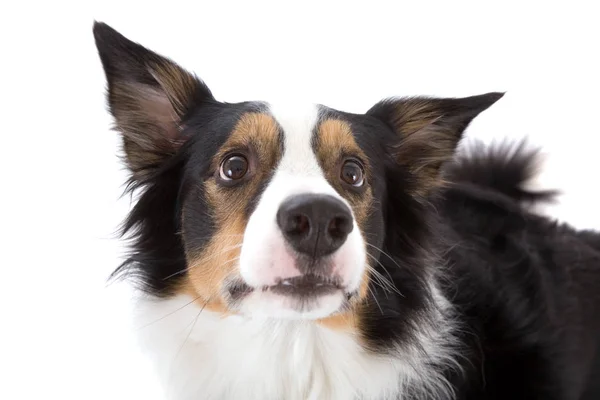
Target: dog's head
[256,208]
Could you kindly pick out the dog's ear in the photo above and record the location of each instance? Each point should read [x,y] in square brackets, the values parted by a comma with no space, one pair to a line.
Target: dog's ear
[149,97]
[428,131]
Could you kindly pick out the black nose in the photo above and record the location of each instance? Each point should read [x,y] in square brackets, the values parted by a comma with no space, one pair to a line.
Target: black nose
[315,224]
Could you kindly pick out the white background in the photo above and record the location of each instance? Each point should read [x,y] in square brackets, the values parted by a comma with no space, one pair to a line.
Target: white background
[63,331]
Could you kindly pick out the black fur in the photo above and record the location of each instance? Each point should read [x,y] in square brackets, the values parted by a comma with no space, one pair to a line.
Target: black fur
[525,287]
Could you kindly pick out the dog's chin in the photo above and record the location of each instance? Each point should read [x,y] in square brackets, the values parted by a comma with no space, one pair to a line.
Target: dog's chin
[287,300]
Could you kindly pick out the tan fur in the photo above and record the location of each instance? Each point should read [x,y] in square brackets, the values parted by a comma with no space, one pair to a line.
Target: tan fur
[257,136]
[341,322]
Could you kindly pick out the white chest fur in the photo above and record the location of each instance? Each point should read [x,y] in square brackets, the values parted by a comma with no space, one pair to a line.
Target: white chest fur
[202,355]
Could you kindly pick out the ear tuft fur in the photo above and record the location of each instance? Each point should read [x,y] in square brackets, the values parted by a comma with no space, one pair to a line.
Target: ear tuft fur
[149,97]
[428,131]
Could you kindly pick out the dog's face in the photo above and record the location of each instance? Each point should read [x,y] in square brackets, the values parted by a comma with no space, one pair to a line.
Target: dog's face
[261,209]
[276,210]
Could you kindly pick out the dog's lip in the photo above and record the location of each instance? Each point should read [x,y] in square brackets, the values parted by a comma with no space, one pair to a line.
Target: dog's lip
[308,285]
[308,280]
[239,290]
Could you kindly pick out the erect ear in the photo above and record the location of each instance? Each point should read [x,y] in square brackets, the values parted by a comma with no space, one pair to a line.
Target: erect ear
[149,96]
[428,131]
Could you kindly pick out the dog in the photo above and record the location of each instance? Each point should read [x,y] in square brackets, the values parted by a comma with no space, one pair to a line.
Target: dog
[301,252]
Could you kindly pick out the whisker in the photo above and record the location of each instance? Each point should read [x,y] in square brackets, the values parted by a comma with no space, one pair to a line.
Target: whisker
[378,280]
[187,268]
[398,265]
[197,265]
[215,236]
[389,282]
[379,284]
[385,284]
[191,329]
[385,254]
[169,314]
[375,299]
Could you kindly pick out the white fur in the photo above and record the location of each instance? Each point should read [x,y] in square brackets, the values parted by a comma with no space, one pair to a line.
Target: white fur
[264,256]
[203,355]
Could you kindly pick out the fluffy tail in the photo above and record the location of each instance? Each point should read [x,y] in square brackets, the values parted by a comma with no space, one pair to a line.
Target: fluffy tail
[507,167]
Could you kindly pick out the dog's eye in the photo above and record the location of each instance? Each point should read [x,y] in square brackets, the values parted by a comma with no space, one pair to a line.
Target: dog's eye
[234,167]
[352,173]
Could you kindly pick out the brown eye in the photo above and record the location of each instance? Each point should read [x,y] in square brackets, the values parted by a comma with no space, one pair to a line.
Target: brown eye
[352,173]
[233,168]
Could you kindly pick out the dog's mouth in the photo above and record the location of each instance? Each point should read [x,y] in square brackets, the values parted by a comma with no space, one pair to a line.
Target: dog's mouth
[304,286]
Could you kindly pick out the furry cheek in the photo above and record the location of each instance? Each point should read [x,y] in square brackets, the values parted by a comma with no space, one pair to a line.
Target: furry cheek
[209,270]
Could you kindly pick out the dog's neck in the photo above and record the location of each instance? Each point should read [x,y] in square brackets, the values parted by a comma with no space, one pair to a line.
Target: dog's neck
[201,353]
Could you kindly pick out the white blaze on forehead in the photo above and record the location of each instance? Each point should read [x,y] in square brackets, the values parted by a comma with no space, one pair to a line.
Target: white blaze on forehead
[298,170]
[298,123]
